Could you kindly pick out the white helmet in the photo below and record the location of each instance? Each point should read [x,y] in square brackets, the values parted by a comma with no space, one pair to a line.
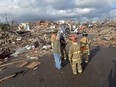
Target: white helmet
[61,31]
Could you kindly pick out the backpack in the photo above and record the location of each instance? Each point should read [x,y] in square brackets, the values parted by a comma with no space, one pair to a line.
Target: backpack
[83,46]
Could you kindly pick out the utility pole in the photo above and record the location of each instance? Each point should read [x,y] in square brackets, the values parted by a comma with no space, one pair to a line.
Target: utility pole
[79,20]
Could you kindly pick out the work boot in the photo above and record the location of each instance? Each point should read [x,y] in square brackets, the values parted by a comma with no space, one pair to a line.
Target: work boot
[74,73]
[65,58]
[79,71]
[87,57]
[86,61]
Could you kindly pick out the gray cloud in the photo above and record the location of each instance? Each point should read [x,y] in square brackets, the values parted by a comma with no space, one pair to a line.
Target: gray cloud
[30,10]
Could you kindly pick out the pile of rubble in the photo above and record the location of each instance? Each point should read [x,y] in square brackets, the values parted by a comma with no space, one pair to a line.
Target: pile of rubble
[36,42]
[22,65]
[23,48]
[104,34]
[33,43]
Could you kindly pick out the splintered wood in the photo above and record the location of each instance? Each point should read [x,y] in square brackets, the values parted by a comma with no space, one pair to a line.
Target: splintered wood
[3,65]
[1,62]
[33,65]
[23,64]
[7,77]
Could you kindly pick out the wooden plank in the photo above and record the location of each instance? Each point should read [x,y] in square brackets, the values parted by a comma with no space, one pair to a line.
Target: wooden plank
[1,69]
[7,77]
[10,76]
[3,65]
[23,64]
[33,65]
[1,62]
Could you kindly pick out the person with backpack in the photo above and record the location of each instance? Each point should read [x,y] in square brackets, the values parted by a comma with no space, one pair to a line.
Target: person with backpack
[85,47]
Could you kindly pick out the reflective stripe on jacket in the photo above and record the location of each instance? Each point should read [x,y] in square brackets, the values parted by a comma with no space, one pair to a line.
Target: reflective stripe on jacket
[74,52]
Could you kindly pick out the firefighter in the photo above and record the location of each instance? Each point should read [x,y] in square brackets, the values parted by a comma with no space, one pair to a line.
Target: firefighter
[85,47]
[74,56]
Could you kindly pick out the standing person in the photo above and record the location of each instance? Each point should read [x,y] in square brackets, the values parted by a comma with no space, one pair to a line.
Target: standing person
[57,52]
[74,56]
[53,37]
[63,46]
[85,47]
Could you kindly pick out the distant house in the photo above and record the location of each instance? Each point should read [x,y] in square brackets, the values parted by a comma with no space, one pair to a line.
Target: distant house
[24,26]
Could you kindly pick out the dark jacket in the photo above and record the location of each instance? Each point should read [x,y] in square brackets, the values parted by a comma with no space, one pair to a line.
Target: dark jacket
[62,40]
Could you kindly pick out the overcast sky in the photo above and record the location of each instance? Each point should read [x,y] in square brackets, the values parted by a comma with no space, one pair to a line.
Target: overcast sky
[33,10]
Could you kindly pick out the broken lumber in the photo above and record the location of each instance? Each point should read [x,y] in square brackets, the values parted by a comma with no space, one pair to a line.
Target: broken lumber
[1,62]
[3,65]
[33,65]
[7,77]
[1,69]
[44,53]
[10,76]
[23,64]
